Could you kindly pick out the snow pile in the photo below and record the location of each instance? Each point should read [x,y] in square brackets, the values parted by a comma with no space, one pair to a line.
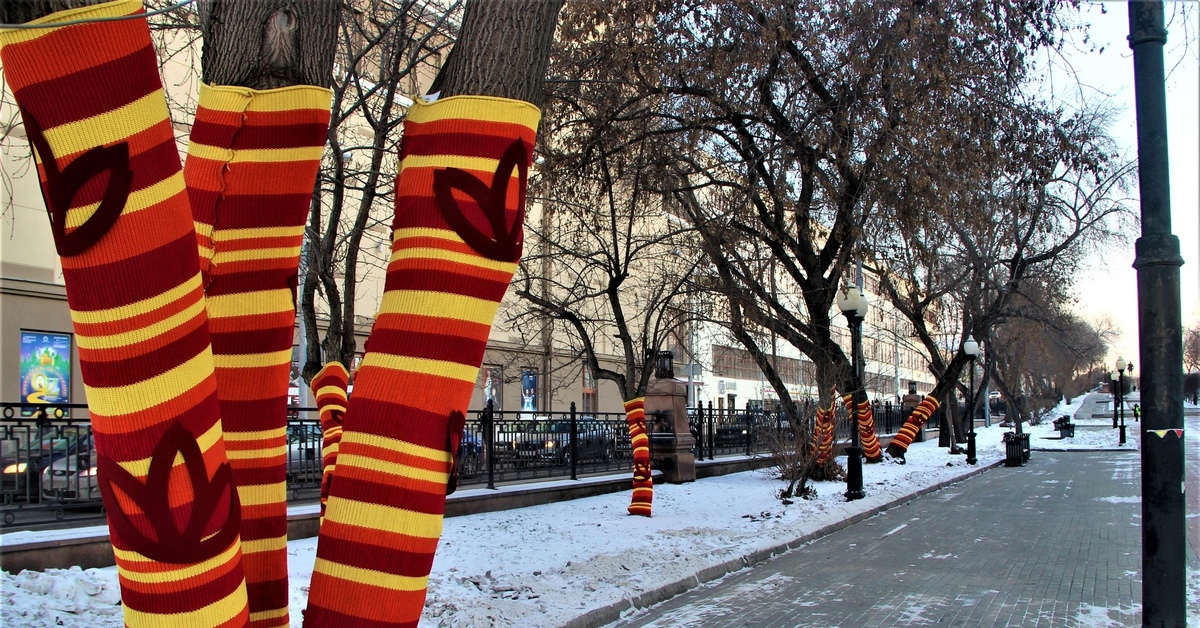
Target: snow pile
[61,597]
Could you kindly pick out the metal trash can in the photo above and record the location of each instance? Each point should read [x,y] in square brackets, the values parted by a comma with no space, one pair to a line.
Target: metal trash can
[1013,456]
[1025,448]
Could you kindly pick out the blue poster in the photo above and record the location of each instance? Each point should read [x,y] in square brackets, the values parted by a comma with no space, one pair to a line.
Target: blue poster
[45,368]
[528,393]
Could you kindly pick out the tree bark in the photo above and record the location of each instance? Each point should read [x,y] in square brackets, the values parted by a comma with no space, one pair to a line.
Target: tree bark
[502,50]
[264,44]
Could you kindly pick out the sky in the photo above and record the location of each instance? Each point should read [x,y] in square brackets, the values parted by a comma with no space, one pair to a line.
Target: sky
[588,556]
[1108,284]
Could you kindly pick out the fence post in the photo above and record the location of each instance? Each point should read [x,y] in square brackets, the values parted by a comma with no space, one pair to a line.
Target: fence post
[489,443]
[712,444]
[574,442]
[749,428]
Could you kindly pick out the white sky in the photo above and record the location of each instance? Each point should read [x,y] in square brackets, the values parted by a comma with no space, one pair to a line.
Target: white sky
[1108,286]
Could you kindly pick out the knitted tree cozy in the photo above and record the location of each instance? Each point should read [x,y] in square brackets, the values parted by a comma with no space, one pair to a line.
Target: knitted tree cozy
[823,435]
[94,111]
[912,425]
[456,239]
[251,165]
[643,484]
[329,389]
[865,422]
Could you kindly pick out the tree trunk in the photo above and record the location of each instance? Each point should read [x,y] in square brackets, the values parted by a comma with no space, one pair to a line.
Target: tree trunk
[21,11]
[268,44]
[502,50]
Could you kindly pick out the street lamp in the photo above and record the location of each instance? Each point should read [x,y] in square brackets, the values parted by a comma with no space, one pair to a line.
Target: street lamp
[1121,364]
[1113,376]
[853,304]
[971,348]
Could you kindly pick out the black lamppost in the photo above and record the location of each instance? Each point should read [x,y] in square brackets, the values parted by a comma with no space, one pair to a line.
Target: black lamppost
[1113,376]
[971,348]
[853,304]
[1121,392]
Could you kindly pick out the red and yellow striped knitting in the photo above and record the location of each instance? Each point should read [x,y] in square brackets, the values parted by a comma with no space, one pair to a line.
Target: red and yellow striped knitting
[912,425]
[823,434]
[865,420]
[643,483]
[329,389]
[94,111]
[456,239]
[251,166]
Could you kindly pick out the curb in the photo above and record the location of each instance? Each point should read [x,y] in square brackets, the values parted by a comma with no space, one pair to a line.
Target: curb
[610,613]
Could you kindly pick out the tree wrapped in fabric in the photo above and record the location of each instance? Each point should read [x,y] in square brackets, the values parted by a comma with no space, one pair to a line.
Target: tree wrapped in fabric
[329,389]
[912,425]
[865,424]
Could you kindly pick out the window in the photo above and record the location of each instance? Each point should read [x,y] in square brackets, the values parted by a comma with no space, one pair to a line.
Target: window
[738,364]
[591,400]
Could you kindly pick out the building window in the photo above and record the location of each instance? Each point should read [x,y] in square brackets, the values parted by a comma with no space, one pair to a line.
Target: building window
[591,399]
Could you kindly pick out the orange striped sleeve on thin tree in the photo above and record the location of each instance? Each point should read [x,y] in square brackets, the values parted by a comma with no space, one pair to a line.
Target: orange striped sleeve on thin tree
[329,389]
[456,240]
[643,484]
[93,107]
[251,166]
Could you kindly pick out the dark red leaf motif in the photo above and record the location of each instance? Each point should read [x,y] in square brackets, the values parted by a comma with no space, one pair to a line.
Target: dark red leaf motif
[504,244]
[170,544]
[65,184]
[458,423]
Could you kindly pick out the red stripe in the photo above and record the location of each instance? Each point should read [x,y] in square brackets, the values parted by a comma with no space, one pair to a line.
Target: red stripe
[361,490]
[318,617]
[252,211]
[430,345]
[382,418]
[383,559]
[131,445]
[109,85]
[155,600]
[250,342]
[132,279]
[268,595]
[445,281]
[458,145]
[250,281]
[142,367]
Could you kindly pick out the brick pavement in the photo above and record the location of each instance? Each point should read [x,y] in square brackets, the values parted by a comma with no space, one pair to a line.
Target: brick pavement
[1054,543]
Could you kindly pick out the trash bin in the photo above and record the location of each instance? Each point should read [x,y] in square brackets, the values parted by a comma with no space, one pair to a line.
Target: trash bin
[1013,456]
[1025,447]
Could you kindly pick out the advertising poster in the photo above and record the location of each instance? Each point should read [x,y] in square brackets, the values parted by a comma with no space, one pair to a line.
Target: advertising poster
[528,393]
[493,387]
[45,368]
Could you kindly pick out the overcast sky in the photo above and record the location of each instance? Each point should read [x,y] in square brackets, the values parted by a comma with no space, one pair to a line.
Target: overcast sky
[1108,286]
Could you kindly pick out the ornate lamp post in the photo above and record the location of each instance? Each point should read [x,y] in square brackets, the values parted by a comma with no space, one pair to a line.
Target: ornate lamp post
[853,304]
[1113,376]
[1121,364]
[971,348]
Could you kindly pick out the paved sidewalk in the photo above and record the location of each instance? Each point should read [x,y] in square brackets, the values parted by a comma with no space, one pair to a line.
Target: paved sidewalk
[1054,543]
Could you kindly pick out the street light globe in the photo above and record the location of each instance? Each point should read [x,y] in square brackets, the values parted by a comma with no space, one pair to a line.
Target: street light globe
[864,304]
[1120,364]
[1113,376]
[970,347]
[848,297]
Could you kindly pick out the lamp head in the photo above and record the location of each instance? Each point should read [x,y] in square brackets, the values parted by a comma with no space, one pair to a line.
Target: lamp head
[847,299]
[970,347]
[1112,375]
[1120,364]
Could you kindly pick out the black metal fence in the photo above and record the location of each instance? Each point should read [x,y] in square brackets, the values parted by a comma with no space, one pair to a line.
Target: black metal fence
[48,459]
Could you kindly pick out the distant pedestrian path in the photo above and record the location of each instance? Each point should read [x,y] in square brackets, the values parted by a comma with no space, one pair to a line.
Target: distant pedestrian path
[1055,543]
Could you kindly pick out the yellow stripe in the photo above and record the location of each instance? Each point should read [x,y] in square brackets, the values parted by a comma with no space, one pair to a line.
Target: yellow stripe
[384,518]
[253,454]
[250,254]
[459,307]
[229,235]
[333,389]
[131,337]
[271,614]
[214,614]
[256,155]
[243,303]
[231,98]
[478,164]
[370,577]
[108,9]
[252,360]
[451,256]
[173,575]
[259,494]
[403,447]
[233,436]
[439,368]
[392,468]
[485,108]
[141,468]
[144,198]
[136,309]
[109,127]
[120,400]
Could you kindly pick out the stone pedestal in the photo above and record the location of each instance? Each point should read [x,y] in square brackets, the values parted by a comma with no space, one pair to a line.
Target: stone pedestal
[671,439]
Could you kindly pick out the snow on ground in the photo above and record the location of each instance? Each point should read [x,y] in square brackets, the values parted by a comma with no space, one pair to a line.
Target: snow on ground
[545,565]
